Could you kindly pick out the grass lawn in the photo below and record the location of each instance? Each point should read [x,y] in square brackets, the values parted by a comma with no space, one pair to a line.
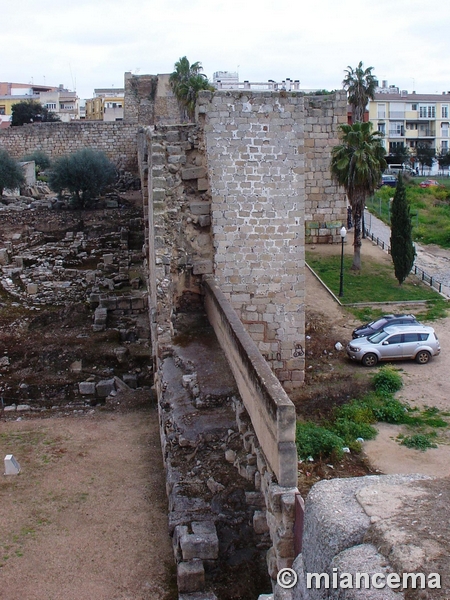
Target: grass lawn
[374,283]
[430,210]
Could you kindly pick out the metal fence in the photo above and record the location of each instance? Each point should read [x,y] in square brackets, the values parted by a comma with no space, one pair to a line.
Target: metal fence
[420,273]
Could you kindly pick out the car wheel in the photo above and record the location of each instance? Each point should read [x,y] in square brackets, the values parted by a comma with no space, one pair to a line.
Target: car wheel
[423,357]
[369,360]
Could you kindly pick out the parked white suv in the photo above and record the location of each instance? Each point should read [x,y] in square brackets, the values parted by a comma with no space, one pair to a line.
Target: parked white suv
[395,343]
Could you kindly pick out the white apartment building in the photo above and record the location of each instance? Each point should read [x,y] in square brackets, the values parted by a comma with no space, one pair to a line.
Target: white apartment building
[409,119]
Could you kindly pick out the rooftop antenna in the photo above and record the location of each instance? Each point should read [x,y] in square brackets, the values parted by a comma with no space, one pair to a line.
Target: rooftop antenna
[74,83]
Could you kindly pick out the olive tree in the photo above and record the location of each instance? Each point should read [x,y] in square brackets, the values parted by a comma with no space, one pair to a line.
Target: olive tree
[85,174]
[11,173]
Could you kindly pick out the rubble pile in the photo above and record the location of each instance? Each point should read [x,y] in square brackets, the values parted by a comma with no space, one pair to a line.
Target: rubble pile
[73,307]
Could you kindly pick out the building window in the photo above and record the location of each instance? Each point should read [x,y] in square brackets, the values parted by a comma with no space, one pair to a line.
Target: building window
[414,107]
[427,111]
[444,146]
[382,128]
[2,110]
[381,111]
[444,130]
[444,111]
[51,106]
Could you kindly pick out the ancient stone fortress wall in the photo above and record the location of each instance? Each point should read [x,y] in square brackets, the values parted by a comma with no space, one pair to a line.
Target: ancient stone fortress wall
[254,145]
[175,183]
[149,100]
[325,203]
[173,169]
[117,140]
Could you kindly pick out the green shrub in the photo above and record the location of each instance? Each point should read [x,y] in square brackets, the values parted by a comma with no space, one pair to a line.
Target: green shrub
[357,411]
[317,442]
[350,431]
[419,441]
[387,381]
[390,410]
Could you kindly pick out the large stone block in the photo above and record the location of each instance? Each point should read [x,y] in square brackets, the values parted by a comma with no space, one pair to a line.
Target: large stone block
[193,173]
[86,388]
[200,208]
[202,545]
[190,576]
[105,387]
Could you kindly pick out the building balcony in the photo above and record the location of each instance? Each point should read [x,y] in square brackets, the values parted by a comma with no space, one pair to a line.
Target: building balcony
[426,133]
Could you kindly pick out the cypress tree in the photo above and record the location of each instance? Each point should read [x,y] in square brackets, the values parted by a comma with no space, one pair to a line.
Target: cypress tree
[402,247]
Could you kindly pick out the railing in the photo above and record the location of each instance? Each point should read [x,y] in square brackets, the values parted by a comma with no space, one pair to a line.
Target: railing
[423,276]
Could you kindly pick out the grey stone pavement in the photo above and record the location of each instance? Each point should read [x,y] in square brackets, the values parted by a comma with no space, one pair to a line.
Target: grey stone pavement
[432,260]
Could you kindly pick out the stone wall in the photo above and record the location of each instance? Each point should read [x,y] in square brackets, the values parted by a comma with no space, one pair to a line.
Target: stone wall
[325,203]
[227,197]
[271,411]
[149,100]
[255,151]
[179,238]
[117,140]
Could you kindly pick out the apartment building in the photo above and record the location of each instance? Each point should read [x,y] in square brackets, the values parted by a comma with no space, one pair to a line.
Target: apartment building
[56,98]
[410,119]
[106,105]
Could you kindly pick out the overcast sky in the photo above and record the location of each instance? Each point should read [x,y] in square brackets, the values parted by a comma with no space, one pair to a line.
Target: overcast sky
[87,44]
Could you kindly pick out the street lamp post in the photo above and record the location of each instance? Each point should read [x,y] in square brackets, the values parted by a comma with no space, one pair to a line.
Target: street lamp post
[341,279]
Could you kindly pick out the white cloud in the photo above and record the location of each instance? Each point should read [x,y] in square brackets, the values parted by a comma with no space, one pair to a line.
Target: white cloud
[92,44]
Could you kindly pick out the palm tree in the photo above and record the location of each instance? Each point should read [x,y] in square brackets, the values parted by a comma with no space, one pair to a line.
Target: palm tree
[360,85]
[186,81]
[356,165]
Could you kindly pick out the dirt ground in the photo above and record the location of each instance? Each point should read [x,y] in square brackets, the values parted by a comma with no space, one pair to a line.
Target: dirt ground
[87,516]
[424,385]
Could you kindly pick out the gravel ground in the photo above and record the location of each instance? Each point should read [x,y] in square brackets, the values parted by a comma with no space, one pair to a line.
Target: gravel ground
[424,385]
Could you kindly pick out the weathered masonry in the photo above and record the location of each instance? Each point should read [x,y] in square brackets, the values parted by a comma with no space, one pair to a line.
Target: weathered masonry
[227,197]
[117,140]
[225,203]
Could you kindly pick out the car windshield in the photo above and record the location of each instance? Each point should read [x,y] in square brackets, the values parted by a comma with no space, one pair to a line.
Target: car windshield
[376,338]
[377,324]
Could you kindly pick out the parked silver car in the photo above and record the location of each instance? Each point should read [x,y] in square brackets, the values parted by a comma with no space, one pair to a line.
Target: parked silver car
[396,342]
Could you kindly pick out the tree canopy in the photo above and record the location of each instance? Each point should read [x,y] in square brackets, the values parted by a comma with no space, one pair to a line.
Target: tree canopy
[11,174]
[186,81]
[402,247]
[360,85]
[41,159]
[443,158]
[425,154]
[29,111]
[357,164]
[85,174]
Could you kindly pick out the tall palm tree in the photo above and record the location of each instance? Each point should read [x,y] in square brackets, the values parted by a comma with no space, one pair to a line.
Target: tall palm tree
[360,85]
[186,81]
[356,164]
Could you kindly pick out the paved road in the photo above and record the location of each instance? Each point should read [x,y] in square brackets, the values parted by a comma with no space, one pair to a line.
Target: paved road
[433,260]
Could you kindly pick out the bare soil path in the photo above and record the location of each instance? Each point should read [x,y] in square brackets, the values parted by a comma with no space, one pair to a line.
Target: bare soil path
[87,516]
[424,385]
